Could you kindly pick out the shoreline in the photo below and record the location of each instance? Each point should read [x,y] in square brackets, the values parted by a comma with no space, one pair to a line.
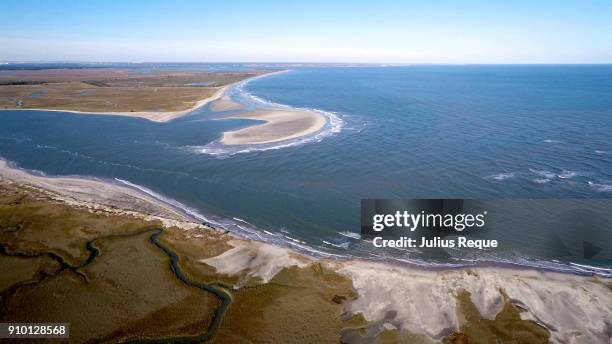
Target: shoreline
[225,103]
[159,117]
[560,302]
[279,125]
[164,116]
[97,194]
[126,198]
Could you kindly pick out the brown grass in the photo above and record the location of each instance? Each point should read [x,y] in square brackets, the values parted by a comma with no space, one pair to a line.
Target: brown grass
[506,328]
[109,90]
[296,306]
[129,291]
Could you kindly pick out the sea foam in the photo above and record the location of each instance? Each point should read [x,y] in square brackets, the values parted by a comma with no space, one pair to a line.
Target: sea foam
[286,238]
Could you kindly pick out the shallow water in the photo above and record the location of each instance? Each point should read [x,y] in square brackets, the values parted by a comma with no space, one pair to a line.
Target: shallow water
[400,132]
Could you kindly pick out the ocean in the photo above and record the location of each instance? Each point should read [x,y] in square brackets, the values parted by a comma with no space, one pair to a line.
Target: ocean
[398,132]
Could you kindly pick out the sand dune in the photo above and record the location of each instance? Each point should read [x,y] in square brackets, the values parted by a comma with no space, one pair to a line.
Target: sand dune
[279,125]
[255,259]
[574,309]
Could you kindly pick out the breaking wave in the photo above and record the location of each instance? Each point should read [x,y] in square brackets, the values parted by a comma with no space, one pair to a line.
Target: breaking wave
[339,248]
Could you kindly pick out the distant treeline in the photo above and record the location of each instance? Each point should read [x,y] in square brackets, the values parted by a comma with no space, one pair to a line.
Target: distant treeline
[39,66]
[21,82]
[96,83]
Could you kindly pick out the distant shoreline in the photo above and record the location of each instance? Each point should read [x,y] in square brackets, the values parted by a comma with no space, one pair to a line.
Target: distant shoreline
[280,124]
[159,117]
[155,116]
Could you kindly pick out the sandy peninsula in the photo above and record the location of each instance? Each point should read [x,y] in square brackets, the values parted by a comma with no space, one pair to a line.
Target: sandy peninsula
[351,301]
[155,116]
[95,194]
[279,125]
[225,103]
[156,96]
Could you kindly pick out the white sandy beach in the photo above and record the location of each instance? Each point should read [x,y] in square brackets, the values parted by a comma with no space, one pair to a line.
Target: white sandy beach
[98,195]
[575,309]
[279,125]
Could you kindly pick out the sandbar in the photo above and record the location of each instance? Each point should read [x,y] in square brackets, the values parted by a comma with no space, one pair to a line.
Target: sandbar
[225,103]
[279,125]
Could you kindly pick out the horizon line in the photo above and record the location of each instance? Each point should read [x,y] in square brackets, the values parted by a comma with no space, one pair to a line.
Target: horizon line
[5,62]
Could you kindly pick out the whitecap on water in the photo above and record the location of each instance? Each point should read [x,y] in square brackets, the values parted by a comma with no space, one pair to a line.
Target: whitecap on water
[567,174]
[502,176]
[352,235]
[601,187]
[543,173]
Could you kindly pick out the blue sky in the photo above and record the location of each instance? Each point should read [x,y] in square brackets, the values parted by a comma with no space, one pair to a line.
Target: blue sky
[435,31]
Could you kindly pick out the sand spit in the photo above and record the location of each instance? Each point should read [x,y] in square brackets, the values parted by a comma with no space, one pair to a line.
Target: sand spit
[161,116]
[279,125]
[98,195]
[225,103]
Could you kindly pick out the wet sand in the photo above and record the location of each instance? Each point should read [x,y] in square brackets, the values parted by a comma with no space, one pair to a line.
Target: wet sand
[225,103]
[279,125]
